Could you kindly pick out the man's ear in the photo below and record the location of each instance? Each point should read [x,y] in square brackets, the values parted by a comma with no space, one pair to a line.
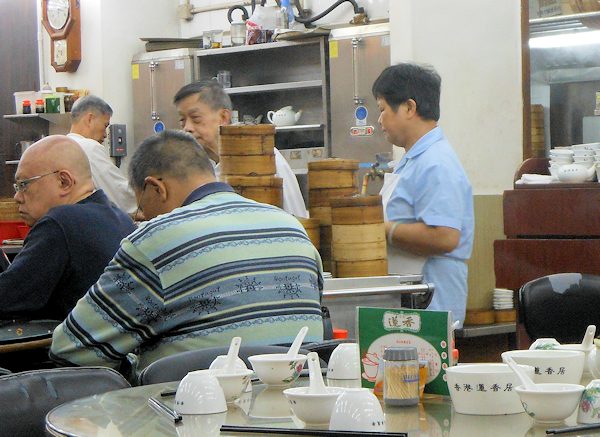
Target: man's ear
[66,179]
[411,107]
[158,186]
[224,116]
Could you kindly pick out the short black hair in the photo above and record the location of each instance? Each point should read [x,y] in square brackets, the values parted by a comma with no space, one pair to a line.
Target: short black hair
[209,91]
[170,152]
[401,82]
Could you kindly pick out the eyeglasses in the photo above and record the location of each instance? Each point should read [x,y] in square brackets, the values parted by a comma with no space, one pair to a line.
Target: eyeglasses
[21,186]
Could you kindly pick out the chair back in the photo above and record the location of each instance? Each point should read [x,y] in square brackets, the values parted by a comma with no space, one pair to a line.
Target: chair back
[175,367]
[27,397]
[560,306]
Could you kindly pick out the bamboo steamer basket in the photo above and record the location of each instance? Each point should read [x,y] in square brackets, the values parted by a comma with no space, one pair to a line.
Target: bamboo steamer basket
[263,189]
[322,213]
[368,251]
[247,140]
[319,197]
[325,248]
[9,210]
[358,236]
[248,165]
[479,317]
[333,164]
[351,269]
[325,178]
[313,229]
[332,173]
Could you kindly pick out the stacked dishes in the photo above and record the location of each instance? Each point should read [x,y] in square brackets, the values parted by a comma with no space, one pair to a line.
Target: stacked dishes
[559,156]
[503,299]
[504,306]
[583,155]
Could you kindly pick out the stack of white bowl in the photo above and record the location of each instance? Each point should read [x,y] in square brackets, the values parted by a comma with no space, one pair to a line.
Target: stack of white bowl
[559,156]
[595,147]
[503,299]
[583,154]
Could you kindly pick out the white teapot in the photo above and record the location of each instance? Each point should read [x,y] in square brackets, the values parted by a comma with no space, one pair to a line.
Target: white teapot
[576,173]
[284,117]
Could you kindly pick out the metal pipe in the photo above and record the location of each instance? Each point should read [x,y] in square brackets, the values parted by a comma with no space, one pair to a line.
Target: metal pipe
[355,43]
[219,6]
[399,289]
[357,10]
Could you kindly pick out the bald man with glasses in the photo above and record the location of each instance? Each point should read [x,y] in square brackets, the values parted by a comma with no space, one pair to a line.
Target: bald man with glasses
[75,232]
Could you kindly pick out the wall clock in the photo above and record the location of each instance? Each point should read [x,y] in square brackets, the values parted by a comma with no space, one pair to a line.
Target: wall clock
[61,18]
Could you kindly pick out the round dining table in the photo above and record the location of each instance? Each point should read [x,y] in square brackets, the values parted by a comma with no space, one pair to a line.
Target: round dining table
[127,413]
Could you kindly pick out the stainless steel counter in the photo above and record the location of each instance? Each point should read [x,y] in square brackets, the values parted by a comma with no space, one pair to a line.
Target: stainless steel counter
[343,295]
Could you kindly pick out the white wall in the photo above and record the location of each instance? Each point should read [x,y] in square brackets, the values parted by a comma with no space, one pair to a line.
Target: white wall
[476,47]
[110,36]
[375,9]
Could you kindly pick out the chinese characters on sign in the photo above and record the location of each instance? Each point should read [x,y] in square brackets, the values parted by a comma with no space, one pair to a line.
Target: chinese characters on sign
[405,321]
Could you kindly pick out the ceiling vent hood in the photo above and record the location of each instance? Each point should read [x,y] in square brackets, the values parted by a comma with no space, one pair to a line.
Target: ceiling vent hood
[570,63]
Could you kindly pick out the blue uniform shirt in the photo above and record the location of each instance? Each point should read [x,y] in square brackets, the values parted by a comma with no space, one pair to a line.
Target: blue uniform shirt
[433,188]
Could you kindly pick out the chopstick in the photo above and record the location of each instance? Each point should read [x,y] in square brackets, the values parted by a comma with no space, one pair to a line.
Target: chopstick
[315,432]
[160,407]
[573,428]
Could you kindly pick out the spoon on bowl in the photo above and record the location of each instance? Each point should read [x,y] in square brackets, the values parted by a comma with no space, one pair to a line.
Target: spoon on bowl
[232,354]
[295,347]
[588,338]
[525,379]
[316,383]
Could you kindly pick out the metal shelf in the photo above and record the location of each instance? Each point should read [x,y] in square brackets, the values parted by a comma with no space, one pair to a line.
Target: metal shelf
[560,24]
[298,127]
[281,86]
[52,118]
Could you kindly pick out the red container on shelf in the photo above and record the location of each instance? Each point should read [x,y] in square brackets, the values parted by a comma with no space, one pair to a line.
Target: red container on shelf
[10,230]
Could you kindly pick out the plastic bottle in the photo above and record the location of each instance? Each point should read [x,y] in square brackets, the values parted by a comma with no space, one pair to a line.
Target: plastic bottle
[26,106]
[39,106]
[283,20]
[400,376]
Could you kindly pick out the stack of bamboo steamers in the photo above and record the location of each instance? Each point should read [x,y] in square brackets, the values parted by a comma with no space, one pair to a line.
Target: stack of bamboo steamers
[247,162]
[352,233]
[347,229]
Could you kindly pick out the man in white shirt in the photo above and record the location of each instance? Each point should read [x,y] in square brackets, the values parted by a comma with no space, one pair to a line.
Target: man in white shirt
[203,107]
[90,117]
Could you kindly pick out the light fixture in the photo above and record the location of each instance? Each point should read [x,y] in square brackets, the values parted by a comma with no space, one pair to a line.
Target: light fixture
[565,40]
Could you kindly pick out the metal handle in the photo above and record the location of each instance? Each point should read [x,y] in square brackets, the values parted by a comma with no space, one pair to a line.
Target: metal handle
[355,42]
[153,112]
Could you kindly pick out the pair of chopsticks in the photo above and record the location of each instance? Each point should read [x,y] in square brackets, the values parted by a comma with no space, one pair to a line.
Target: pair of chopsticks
[315,432]
[161,408]
[573,428]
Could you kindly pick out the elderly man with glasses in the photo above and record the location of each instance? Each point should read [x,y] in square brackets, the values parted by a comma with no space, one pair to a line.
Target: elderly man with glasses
[75,232]
[209,265]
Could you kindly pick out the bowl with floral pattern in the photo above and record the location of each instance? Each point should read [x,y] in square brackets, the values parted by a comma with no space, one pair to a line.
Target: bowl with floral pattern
[277,369]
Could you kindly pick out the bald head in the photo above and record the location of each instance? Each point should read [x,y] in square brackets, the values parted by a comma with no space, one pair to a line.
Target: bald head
[59,152]
[53,171]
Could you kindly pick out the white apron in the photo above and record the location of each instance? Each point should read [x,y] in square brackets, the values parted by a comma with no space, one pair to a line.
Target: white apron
[399,261]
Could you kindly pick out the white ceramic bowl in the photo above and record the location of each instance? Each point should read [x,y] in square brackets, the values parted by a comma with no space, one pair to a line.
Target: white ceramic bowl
[484,389]
[312,409]
[277,369]
[552,402]
[357,409]
[551,365]
[233,383]
[199,393]
[344,362]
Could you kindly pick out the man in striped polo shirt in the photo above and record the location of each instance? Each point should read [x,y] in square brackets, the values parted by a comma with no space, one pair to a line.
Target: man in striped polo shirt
[209,265]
